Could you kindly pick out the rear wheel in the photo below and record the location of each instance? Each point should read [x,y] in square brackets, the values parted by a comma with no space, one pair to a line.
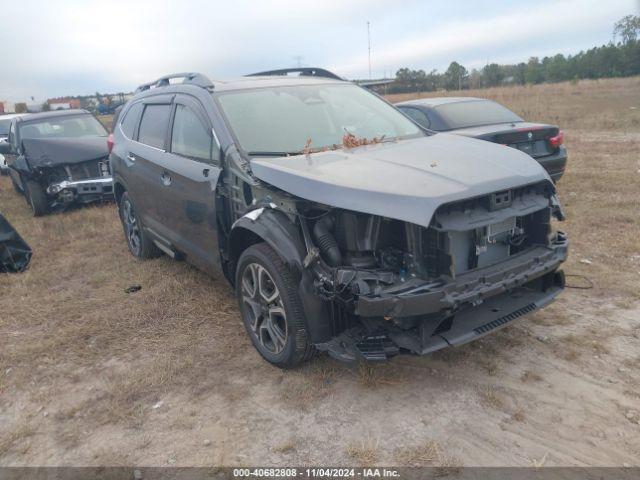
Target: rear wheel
[36,197]
[138,241]
[270,307]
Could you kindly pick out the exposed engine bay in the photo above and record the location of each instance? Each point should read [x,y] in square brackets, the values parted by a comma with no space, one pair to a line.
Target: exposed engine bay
[389,285]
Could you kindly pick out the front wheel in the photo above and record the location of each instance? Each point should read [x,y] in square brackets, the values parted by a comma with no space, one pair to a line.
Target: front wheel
[138,241]
[16,187]
[270,307]
[36,197]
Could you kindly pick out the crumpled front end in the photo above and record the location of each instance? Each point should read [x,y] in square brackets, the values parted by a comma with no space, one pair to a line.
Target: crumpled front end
[83,182]
[69,170]
[394,286]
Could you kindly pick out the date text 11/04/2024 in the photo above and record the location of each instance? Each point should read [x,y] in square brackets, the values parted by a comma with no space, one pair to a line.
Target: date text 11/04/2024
[315,473]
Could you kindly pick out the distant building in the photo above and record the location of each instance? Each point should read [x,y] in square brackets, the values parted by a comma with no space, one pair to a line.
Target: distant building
[34,107]
[63,103]
[7,107]
[59,106]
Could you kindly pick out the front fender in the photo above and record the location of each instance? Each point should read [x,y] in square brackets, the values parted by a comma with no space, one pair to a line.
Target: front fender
[281,234]
[275,229]
[21,165]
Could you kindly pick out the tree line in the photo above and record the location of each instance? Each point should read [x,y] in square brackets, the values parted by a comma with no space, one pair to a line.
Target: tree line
[617,59]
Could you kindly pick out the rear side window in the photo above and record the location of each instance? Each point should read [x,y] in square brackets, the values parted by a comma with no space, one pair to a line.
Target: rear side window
[131,119]
[153,127]
[190,138]
[418,116]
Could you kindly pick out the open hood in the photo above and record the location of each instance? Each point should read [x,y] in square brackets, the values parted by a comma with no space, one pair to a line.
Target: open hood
[48,152]
[406,180]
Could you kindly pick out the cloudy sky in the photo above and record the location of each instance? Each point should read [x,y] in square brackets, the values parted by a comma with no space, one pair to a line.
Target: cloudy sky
[67,47]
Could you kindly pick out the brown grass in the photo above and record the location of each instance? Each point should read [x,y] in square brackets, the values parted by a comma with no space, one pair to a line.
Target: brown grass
[286,447]
[519,415]
[364,452]
[586,342]
[373,375]
[421,455]
[530,376]
[68,314]
[304,388]
[492,397]
[12,437]
[428,454]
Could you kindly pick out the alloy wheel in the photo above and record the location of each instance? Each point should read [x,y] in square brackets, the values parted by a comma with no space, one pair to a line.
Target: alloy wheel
[263,308]
[131,227]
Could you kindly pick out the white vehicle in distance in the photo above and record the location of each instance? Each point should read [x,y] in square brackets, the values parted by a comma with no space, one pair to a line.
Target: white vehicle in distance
[5,122]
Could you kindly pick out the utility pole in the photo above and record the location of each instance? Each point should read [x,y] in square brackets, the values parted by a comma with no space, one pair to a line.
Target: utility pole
[298,60]
[369,42]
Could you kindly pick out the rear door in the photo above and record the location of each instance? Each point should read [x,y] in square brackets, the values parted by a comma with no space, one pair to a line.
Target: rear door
[193,170]
[144,162]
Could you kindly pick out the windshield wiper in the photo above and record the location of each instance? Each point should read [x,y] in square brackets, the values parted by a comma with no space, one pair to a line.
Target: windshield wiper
[272,154]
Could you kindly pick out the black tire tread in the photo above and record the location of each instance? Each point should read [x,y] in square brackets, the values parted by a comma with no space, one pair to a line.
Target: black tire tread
[304,350]
[36,197]
[148,249]
[16,187]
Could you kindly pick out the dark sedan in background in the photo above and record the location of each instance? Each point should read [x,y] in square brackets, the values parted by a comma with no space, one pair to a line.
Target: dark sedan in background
[58,158]
[488,120]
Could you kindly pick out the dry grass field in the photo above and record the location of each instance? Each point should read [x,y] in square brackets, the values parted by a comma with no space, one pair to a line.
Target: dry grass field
[91,375]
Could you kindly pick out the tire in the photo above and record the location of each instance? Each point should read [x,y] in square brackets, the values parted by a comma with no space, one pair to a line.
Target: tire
[270,307]
[36,197]
[138,241]
[16,187]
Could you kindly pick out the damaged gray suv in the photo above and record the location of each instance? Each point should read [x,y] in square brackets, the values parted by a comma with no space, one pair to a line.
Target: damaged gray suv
[343,226]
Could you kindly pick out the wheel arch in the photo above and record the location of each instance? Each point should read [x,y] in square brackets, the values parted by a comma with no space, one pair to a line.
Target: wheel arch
[271,227]
[285,238]
[118,190]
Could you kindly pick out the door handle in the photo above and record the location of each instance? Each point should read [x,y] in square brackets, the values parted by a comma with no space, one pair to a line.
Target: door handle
[205,172]
[131,157]
[166,179]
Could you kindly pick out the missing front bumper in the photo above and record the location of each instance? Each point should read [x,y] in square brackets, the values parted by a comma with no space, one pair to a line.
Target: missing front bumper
[471,288]
[471,323]
[465,325]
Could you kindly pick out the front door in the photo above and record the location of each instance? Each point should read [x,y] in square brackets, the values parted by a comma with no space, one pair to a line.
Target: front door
[192,171]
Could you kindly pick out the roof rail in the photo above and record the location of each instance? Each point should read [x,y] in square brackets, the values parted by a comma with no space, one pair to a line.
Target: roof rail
[303,71]
[190,78]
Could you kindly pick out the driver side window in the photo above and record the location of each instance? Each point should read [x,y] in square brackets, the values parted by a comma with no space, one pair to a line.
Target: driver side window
[190,138]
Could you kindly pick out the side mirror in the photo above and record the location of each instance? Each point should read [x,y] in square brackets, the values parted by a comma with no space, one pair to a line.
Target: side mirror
[5,148]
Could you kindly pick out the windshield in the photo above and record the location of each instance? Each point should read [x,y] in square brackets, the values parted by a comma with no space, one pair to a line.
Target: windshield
[63,126]
[282,119]
[4,126]
[475,113]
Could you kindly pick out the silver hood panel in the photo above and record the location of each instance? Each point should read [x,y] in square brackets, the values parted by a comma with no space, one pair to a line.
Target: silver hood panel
[406,180]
